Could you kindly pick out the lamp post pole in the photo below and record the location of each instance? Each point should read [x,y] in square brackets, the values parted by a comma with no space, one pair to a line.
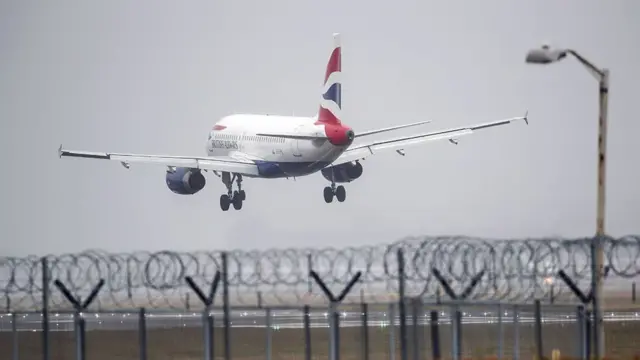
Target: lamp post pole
[597,267]
[547,56]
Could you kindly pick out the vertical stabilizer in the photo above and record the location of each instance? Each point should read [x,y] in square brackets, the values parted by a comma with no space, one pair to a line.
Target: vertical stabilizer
[331,102]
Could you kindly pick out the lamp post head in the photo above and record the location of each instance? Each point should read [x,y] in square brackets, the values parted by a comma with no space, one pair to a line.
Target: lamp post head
[545,55]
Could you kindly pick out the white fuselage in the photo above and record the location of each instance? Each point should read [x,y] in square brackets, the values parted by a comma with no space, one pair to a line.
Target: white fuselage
[237,136]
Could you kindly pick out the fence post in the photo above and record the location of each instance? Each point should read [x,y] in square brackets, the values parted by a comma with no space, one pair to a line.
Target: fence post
[142,333]
[415,318]
[79,307]
[45,307]
[587,333]
[538,329]
[457,329]
[14,332]
[456,315]
[422,320]
[268,326]
[581,332]
[392,331]
[364,308]
[207,318]
[435,335]
[307,333]
[226,306]
[516,332]
[335,315]
[500,333]
[585,299]
[402,305]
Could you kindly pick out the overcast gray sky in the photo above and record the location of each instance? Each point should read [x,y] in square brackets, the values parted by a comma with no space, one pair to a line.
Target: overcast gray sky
[154,76]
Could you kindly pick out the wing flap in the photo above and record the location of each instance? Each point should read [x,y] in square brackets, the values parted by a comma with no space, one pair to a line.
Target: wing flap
[228,164]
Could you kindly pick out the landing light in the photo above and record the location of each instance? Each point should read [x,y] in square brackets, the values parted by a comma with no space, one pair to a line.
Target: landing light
[545,55]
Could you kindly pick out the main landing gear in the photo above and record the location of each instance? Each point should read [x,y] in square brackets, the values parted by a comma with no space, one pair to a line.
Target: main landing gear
[330,191]
[236,197]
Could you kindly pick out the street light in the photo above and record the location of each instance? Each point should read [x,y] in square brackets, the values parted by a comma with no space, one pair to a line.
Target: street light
[547,55]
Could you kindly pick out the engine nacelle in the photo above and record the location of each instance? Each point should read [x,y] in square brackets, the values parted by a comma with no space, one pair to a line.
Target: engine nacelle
[185,181]
[342,173]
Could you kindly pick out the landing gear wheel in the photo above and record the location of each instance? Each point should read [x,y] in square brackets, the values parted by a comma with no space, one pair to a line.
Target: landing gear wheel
[328,194]
[237,200]
[232,197]
[341,193]
[224,202]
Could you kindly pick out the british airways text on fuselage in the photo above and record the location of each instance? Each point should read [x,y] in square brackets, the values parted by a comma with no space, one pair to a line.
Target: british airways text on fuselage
[225,144]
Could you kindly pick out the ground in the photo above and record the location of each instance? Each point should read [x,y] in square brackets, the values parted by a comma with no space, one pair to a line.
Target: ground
[623,342]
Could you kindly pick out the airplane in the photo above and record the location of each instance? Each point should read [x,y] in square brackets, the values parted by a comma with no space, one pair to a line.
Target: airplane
[273,147]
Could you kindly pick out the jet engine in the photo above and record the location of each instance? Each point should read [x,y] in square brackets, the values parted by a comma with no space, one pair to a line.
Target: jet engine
[185,181]
[342,173]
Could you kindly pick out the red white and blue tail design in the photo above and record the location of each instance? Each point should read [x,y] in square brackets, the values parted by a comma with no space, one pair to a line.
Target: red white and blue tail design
[331,102]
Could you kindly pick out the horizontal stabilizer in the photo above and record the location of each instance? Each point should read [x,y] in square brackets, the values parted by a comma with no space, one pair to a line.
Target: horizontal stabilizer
[378,131]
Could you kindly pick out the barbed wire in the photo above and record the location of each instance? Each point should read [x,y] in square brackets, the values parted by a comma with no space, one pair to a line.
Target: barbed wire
[515,270]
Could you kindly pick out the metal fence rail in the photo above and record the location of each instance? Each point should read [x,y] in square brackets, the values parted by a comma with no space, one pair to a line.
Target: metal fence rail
[293,318]
[516,271]
[499,331]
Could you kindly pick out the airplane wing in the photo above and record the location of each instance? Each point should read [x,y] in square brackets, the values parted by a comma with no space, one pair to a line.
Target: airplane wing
[220,163]
[361,151]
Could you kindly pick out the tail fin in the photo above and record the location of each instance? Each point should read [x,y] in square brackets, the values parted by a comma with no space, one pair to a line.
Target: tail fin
[331,103]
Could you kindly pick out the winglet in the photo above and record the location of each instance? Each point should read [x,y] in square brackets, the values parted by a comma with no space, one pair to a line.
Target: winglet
[336,40]
[526,120]
[60,151]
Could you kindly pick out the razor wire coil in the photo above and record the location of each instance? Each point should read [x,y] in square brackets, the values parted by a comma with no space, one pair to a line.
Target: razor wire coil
[515,270]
